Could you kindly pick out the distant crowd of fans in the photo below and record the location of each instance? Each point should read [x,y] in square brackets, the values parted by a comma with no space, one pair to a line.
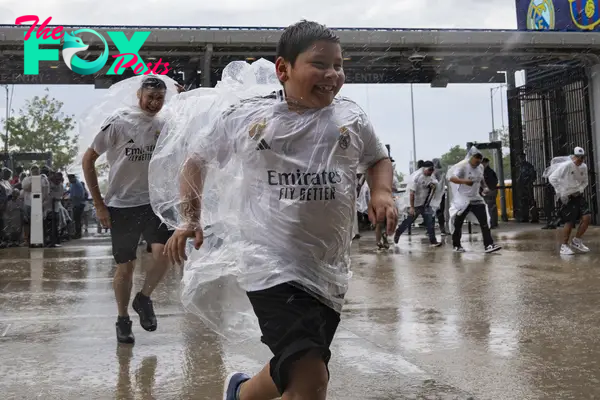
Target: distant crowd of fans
[66,206]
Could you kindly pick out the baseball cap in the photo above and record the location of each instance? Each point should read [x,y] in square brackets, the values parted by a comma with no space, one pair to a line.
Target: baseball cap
[578,152]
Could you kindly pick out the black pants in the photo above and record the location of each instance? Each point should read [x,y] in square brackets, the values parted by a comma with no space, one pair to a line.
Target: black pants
[77,214]
[490,200]
[52,228]
[576,208]
[440,214]
[128,224]
[527,201]
[481,214]
[292,323]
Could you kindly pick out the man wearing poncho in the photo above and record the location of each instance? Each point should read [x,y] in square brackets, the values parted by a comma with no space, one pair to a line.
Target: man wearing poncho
[422,186]
[466,180]
[569,177]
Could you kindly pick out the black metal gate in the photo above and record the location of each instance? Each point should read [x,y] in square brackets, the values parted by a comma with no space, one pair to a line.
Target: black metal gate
[549,118]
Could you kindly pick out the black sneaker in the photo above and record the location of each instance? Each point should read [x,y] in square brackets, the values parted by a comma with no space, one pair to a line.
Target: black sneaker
[459,249]
[124,333]
[492,248]
[436,244]
[143,306]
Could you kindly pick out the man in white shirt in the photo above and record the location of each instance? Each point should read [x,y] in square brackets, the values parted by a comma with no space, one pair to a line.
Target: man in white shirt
[468,178]
[569,180]
[422,189]
[129,139]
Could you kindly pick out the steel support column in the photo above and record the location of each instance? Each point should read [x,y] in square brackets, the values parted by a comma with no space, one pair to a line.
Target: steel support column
[207,70]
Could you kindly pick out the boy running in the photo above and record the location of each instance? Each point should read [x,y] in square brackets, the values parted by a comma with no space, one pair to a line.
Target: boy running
[128,139]
[307,136]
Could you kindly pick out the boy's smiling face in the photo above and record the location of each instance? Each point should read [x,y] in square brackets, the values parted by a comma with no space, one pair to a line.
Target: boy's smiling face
[316,76]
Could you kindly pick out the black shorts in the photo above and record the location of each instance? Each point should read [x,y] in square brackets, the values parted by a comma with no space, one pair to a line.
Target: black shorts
[128,224]
[292,323]
[575,208]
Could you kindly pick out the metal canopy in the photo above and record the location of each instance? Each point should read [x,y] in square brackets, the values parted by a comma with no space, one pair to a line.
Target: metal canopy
[372,55]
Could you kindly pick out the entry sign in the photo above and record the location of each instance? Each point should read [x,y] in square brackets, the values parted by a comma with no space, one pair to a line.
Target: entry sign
[560,15]
[358,76]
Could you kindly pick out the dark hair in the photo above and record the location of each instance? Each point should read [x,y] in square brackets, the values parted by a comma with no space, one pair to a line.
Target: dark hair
[420,164]
[6,173]
[427,164]
[478,155]
[154,83]
[296,38]
[485,159]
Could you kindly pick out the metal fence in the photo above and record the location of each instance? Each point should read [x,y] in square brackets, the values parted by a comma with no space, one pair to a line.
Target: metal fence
[549,117]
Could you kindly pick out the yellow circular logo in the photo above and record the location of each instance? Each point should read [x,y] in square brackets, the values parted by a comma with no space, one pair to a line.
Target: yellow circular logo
[540,15]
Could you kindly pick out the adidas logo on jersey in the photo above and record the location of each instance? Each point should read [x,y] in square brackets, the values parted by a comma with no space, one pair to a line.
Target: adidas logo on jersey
[263,145]
[130,141]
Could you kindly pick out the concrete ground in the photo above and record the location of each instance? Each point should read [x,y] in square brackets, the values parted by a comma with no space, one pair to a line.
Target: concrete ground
[420,323]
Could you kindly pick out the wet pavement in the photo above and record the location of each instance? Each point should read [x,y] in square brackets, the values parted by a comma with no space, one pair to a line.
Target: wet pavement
[420,323]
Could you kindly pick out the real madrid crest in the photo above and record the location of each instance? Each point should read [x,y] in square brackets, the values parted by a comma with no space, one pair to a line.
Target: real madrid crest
[541,15]
[344,139]
[257,129]
[156,134]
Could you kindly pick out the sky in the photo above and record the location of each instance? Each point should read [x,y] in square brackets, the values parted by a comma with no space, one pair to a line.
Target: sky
[444,117]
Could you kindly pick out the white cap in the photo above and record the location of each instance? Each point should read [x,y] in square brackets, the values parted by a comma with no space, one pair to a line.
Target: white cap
[578,151]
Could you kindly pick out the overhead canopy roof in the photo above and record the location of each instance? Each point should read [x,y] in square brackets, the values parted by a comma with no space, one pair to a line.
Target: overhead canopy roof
[372,55]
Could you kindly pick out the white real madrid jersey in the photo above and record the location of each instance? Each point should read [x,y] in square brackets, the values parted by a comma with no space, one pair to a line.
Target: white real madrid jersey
[299,181]
[128,139]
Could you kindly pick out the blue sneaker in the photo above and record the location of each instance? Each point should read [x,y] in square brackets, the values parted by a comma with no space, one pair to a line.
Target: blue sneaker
[232,384]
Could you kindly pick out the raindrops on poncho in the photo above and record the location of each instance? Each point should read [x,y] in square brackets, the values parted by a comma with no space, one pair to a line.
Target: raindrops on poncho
[277,190]
[566,177]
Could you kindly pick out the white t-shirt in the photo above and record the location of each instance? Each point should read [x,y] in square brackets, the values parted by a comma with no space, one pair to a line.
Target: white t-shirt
[475,174]
[128,139]
[298,191]
[421,185]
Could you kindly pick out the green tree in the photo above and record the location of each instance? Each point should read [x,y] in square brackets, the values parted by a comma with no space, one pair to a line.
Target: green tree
[453,156]
[42,127]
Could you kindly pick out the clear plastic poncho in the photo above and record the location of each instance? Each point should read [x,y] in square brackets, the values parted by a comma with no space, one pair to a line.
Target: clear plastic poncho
[278,197]
[364,197]
[121,99]
[459,200]
[566,177]
[440,189]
